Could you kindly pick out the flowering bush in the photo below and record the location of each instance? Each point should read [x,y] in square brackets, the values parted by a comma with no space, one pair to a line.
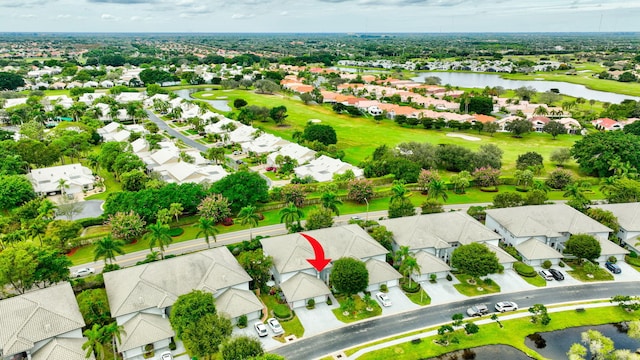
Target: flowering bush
[486,177]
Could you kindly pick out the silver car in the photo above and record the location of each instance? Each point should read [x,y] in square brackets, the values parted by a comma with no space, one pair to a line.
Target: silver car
[275,326]
[478,310]
[546,274]
[83,272]
[384,299]
[261,329]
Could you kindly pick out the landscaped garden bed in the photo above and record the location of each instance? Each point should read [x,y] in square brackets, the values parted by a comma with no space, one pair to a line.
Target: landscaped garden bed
[470,286]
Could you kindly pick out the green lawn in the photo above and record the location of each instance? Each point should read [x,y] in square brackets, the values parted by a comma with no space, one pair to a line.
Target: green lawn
[359,144]
[513,333]
[291,327]
[420,298]
[360,312]
[477,289]
[110,183]
[599,275]
[535,281]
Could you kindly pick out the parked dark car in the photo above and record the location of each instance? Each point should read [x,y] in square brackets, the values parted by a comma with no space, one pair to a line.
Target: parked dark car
[614,268]
[556,274]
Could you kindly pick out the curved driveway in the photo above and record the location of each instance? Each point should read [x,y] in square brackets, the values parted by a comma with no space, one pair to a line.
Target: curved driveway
[382,327]
[163,126]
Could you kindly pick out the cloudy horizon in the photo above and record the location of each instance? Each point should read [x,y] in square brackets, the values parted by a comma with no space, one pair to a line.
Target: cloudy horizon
[318,16]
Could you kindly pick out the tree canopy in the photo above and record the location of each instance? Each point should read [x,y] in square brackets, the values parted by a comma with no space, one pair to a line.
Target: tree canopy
[322,133]
[583,246]
[349,276]
[189,308]
[242,188]
[10,81]
[475,259]
[596,152]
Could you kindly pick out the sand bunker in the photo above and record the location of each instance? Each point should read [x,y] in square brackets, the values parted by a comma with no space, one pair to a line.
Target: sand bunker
[462,136]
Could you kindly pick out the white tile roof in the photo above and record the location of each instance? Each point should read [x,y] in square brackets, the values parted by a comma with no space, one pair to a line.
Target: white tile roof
[303,286]
[380,271]
[534,249]
[144,329]
[628,214]
[63,349]
[323,168]
[46,180]
[235,302]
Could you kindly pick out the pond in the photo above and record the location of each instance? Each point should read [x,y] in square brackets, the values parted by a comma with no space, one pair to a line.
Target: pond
[221,105]
[489,352]
[477,80]
[555,344]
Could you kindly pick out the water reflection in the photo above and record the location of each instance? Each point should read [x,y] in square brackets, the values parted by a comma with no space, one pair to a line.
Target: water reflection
[490,352]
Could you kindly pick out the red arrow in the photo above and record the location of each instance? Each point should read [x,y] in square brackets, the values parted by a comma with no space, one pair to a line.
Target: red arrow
[319,262]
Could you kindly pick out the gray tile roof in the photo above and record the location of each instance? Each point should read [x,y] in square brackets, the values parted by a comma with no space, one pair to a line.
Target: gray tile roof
[303,286]
[503,256]
[290,252]
[628,214]
[158,284]
[236,302]
[144,329]
[37,316]
[534,249]
[63,349]
[430,264]
[437,231]
[545,220]
[380,271]
[609,248]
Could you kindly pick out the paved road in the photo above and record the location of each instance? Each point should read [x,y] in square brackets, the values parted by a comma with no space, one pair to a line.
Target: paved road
[163,126]
[381,327]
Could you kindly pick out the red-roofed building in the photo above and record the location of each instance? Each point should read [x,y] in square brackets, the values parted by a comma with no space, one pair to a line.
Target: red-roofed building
[483,118]
[607,124]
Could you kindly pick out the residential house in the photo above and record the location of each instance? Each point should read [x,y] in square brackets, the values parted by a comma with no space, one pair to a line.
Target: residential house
[628,215]
[551,225]
[434,237]
[299,153]
[140,297]
[324,168]
[301,282]
[242,134]
[538,122]
[263,144]
[607,124]
[70,179]
[42,324]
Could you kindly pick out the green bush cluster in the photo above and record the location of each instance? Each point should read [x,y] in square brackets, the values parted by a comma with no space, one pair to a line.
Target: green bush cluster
[176,231]
[632,260]
[282,311]
[524,269]
[512,251]
[411,288]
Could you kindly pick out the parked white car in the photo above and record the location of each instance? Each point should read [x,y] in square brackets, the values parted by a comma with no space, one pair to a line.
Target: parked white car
[83,272]
[384,299]
[261,329]
[275,326]
[503,306]
[166,356]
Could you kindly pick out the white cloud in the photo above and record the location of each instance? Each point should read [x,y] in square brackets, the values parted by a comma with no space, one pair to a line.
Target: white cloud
[242,16]
[109,17]
[63,16]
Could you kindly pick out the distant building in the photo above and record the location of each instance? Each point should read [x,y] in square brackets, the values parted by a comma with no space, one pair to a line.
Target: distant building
[76,178]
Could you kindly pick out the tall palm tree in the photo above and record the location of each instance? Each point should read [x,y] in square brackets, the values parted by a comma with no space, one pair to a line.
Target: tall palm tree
[409,266]
[62,185]
[94,345]
[47,210]
[176,209]
[115,332]
[330,201]
[291,214]
[207,228]
[107,248]
[37,228]
[248,215]
[400,254]
[159,236]
[438,189]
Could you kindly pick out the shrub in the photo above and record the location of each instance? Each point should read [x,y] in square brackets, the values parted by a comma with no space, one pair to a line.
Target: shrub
[242,321]
[449,277]
[411,288]
[86,222]
[559,178]
[488,282]
[632,260]
[282,311]
[177,231]
[311,304]
[471,328]
[433,278]
[546,264]
[172,345]
[633,254]
[110,267]
[513,252]
[612,259]
[384,288]
[329,301]
[561,264]
[227,221]
[524,269]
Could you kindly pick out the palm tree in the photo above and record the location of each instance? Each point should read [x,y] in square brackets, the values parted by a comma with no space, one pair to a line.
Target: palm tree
[115,332]
[207,228]
[94,345]
[107,248]
[291,214]
[62,185]
[248,215]
[400,254]
[437,188]
[330,201]
[399,191]
[37,228]
[158,235]
[409,266]
[47,210]
[541,110]
[176,209]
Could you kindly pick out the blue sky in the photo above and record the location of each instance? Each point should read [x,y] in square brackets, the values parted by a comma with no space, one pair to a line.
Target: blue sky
[319,15]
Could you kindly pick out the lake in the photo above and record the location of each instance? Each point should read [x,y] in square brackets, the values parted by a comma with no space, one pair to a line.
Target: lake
[477,80]
[489,352]
[221,105]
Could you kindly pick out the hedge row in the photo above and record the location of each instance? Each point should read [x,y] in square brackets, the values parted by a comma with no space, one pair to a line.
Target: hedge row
[524,269]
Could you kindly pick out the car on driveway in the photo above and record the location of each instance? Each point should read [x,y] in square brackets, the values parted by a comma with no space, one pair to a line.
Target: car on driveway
[556,274]
[614,268]
[83,272]
[384,299]
[261,329]
[478,310]
[166,356]
[546,274]
[275,326]
[504,306]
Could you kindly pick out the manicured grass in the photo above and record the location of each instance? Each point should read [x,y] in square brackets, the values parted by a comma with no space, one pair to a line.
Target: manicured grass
[360,312]
[513,333]
[97,229]
[535,281]
[110,183]
[359,144]
[599,275]
[480,288]
[291,327]
[420,298]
